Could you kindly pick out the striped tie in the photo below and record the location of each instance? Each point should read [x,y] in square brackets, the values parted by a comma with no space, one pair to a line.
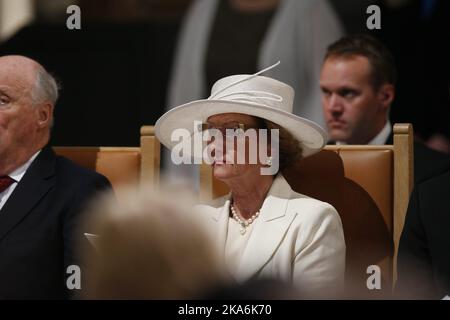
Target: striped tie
[5,182]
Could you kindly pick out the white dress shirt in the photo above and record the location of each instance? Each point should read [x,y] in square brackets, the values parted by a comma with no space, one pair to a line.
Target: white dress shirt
[17,175]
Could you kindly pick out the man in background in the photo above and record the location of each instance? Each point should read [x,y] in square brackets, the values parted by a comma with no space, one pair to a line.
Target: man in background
[358,80]
[358,87]
[41,195]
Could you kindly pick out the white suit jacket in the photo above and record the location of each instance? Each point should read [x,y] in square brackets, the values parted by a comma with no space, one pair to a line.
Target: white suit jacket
[296,238]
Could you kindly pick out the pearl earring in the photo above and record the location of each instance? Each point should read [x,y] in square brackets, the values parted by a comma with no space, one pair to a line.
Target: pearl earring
[269,161]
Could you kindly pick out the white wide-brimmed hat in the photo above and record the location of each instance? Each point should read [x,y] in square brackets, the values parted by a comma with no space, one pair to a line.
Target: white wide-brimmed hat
[253,95]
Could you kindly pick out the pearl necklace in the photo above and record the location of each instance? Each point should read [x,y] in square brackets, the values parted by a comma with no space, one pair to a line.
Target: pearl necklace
[243,223]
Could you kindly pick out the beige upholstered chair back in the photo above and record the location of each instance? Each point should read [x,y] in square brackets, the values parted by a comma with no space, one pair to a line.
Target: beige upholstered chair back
[121,165]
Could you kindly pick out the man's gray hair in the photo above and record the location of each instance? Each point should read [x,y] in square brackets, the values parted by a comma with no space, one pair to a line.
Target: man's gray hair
[45,89]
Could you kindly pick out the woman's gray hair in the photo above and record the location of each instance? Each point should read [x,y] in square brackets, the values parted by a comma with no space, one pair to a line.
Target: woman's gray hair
[45,89]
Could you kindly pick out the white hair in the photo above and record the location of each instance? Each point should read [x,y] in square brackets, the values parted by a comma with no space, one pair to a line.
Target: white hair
[45,89]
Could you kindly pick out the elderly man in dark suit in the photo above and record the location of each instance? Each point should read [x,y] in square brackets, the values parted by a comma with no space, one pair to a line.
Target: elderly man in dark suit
[41,195]
[358,80]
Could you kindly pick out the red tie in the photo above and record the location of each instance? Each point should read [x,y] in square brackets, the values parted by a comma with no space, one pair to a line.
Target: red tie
[5,182]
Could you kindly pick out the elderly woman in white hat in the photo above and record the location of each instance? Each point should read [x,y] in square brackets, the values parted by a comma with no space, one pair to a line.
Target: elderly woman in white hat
[262,227]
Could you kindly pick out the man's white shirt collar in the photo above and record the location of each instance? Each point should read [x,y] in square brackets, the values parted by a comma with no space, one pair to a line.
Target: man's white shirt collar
[18,174]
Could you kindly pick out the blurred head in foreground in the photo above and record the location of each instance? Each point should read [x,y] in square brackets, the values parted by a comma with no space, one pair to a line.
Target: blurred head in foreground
[148,247]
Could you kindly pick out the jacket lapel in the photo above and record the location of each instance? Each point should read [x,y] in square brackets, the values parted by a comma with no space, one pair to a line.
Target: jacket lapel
[31,189]
[269,230]
[221,216]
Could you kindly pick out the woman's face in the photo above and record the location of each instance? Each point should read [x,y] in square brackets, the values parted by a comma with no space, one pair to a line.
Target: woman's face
[226,152]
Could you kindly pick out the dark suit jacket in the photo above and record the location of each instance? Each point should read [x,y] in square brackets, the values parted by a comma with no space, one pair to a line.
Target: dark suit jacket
[424,252]
[39,227]
[428,163]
